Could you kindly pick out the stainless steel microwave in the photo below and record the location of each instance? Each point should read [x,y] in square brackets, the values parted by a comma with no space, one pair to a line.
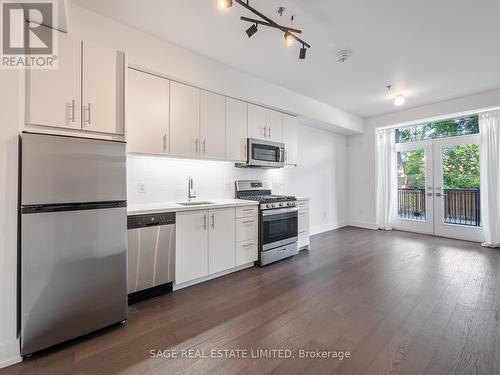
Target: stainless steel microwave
[264,154]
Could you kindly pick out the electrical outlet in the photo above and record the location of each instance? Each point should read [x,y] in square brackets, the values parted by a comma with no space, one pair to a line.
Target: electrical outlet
[142,188]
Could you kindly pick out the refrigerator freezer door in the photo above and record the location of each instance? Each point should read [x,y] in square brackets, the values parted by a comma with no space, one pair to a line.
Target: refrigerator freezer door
[58,169]
[73,274]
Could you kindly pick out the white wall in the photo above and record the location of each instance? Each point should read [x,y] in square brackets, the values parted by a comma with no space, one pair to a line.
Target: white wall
[172,61]
[10,121]
[361,180]
[320,176]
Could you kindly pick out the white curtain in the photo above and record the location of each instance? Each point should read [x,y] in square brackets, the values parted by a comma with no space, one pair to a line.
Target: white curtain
[489,143]
[386,177]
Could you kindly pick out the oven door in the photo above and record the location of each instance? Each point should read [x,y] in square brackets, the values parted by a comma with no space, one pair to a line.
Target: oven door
[279,227]
[266,154]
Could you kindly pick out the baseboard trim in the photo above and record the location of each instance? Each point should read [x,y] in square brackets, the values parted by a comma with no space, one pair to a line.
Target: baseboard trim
[210,277]
[362,224]
[328,227]
[9,353]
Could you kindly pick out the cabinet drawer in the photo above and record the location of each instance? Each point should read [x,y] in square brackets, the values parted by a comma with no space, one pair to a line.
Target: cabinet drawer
[303,205]
[246,252]
[303,220]
[247,211]
[246,229]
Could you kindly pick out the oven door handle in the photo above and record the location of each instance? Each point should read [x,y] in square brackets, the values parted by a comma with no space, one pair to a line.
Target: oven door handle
[279,211]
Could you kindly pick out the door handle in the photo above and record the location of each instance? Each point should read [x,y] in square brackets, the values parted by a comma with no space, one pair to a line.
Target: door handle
[205,221]
[213,221]
[204,145]
[439,195]
[196,145]
[165,143]
[269,131]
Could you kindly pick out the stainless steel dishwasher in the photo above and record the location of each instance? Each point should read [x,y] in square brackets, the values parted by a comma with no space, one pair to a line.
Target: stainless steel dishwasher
[151,255]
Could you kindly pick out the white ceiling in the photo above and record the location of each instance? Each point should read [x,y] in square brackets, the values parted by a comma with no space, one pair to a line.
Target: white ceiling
[428,50]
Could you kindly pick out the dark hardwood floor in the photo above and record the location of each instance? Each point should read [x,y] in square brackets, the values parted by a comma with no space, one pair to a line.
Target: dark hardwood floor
[401,303]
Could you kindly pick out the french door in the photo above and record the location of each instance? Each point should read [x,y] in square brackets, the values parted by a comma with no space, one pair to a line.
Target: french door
[438,188]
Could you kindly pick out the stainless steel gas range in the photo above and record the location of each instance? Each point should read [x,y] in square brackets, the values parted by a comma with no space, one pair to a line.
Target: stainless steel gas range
[278,220]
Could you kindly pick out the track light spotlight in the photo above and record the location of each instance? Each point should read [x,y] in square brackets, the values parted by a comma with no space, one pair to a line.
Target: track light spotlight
[302,53]
[289,38]
[222,4]
[252,30]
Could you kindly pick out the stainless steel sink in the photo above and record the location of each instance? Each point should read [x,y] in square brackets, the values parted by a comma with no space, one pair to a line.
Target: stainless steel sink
[197,203]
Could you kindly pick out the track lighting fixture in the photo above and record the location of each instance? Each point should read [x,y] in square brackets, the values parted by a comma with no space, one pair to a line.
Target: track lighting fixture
[289,33]
[302,53]
[252,30]
[288,38]
[222,4]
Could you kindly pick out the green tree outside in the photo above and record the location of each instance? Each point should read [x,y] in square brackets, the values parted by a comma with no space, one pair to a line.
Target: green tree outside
[460,163]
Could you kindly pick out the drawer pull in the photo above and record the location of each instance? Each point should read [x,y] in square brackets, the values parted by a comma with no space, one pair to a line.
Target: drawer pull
[248,245]
[248,222]
[304,231]
[248,209]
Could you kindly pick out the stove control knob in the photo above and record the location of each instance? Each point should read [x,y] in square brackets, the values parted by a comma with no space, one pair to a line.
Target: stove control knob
[282,204]
[268,205]
[273,205]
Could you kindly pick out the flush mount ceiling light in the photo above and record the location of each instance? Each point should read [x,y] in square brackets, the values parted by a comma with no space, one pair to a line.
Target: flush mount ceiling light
[289,33]
[399,100]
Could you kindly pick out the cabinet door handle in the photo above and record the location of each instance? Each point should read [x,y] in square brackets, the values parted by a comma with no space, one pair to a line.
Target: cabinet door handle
[204,145]
[205,221]
[269,131]
[71,110]
[213,221]
[165,143]
[196,145]
[87,109]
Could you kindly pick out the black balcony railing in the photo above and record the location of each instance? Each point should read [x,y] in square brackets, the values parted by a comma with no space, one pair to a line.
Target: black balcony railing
[461,206]
[411,203]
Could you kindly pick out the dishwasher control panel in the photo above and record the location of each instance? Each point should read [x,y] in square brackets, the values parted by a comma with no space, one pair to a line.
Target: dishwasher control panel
[142,221]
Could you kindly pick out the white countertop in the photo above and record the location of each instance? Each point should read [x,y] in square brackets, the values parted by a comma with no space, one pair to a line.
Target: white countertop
[154,208]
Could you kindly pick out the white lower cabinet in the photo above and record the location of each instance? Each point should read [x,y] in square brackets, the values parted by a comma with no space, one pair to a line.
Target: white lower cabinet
[213,241]
[303,224]
[191,250]
[221,240]
[204,243]
[247,235]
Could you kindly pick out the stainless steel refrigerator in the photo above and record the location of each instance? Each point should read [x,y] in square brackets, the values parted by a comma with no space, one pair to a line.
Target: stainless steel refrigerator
[73,238]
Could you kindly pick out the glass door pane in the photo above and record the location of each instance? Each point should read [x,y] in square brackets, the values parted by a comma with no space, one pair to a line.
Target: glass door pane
[411,185]
[461,183]
[457,195]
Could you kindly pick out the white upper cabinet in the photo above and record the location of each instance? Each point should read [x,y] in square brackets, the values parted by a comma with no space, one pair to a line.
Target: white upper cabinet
[103,86]
[274,125]
[265,123]
[236,130]
[222,239]
[184,120]
[148,113]
[54,96]
[290,137]
[257,122]
[212,126]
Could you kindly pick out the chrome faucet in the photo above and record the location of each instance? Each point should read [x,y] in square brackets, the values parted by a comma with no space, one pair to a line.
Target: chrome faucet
[191,192]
